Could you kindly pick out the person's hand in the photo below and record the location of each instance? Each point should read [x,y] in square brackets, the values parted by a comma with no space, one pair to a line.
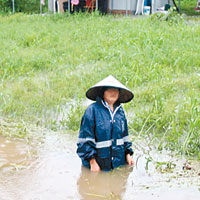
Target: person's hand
[129,159]
[94,167]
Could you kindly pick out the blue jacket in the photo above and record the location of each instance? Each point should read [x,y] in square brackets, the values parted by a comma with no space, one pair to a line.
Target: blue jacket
[104,136]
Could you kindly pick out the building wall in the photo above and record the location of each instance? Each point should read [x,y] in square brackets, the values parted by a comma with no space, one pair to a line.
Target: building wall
[121,4]
[117,5]
[50,5]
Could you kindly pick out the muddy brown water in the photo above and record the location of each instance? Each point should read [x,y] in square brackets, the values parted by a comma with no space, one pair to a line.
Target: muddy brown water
[55,173]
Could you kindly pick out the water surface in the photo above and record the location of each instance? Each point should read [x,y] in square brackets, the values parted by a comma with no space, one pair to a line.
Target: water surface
[55,173]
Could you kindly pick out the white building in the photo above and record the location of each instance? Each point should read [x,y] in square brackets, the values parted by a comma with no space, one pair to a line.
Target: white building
[130,6]
[119,6]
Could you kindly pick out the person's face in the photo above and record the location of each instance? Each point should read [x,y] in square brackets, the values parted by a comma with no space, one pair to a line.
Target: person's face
[111,95]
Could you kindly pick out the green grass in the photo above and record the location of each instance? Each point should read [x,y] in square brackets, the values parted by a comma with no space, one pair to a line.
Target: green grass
[187,7]
[48,62]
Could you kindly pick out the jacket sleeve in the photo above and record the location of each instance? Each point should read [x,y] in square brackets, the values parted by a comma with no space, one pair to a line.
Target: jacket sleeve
[86,142]
[127,143]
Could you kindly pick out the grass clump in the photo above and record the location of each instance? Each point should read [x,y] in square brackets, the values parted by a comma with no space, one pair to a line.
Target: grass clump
[48,62]
[172,17]
[187,7]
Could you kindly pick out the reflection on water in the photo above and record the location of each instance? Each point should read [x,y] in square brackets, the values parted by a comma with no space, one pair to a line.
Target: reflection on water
[52,176]
[56,174]
[13,154]
[107,185]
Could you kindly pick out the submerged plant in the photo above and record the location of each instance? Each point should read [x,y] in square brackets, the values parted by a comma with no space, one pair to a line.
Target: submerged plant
[165,166]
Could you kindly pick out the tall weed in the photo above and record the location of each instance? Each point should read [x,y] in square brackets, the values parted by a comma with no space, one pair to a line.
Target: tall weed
[46,62]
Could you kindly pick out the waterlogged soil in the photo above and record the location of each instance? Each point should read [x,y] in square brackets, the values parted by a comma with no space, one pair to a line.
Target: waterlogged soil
[55,173]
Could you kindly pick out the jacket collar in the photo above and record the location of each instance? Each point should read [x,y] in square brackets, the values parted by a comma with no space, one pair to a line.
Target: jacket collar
[116,107]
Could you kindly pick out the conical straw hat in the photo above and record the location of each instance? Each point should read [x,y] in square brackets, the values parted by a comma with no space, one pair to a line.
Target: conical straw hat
[97,90]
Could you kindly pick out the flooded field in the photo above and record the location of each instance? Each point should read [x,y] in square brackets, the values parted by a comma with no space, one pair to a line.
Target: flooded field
[55,173]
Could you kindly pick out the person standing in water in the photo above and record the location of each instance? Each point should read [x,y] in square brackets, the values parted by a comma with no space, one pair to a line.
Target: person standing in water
[103,142]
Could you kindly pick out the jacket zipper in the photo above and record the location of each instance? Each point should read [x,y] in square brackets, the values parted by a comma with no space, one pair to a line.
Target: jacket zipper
[112,114]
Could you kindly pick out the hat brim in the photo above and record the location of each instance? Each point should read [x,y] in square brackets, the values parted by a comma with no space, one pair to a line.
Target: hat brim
[125,95]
